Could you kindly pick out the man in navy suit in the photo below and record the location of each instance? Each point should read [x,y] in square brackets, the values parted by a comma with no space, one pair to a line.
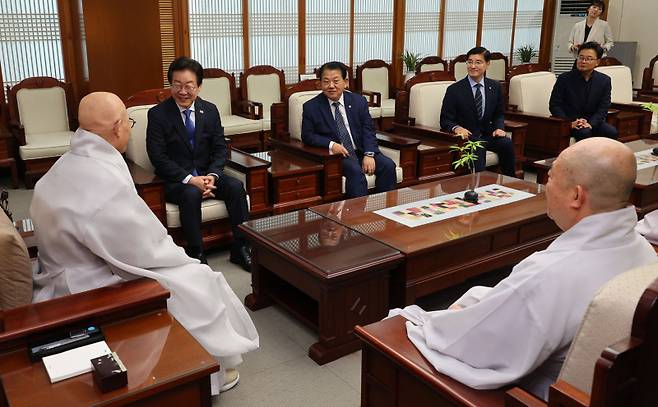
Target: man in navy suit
[185,143]
[341,122]
[473,108]
[582,96]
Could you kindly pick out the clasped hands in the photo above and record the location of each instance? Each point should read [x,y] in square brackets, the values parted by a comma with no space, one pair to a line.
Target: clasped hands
[368,163]
[580,124]
[206,183]
[464,133]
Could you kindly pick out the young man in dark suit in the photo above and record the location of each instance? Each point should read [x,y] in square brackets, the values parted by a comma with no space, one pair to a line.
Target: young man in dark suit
[341,122]
[185,142]
[582,96]
[473,108]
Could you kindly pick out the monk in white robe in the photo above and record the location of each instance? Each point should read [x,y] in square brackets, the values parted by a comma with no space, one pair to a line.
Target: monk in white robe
[92,230]
[521,329]
[648,227]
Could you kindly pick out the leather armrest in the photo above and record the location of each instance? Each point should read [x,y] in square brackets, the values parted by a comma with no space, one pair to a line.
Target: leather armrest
[396,142]
[245,163]
[251,110]
[142,176]
[18,131]
[518,397]
[374,98]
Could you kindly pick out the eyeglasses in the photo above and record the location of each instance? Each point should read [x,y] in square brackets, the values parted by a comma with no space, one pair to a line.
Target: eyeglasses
[187,88]
[132,122]
[587,59]
[476,63]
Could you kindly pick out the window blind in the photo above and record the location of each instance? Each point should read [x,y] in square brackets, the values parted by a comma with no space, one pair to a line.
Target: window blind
[421,26]
[373,30]
[327,32]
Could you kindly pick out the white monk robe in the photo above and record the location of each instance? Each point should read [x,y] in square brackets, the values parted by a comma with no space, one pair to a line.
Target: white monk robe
[92,230]
[648,227]
[528,319]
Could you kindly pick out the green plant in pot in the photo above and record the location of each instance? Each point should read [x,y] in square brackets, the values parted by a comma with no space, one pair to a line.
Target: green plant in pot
[526,52]
[410,60]
[467,157]
[652,107]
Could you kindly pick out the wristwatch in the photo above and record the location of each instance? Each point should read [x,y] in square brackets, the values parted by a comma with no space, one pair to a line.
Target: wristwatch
[369,154]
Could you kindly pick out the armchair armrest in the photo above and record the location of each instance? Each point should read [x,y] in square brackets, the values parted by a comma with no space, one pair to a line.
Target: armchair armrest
[396,142]
[518,397]
[374,98]
[98,306]
[150,188]
[18,131]
[407,153]
[251,110]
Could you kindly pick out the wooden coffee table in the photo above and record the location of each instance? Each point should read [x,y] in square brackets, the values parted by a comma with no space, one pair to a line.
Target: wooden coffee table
[329,276]
[447,252]
[645,191]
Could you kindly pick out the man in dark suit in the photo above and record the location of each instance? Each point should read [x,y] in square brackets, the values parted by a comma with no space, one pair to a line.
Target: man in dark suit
[473,108]
[185,142]
[341,122]
[582,96]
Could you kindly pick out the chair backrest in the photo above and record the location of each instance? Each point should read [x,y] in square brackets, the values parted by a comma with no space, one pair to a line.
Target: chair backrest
[458,66]
[431,63]
[42,110]
[218,88]
[15,270]
[425,102]
[654,72]
[608,319]
[136,151]
[373,76]
[295,109]
[264,84]
[531,92]
[622,82]
[42,105]
[497,67]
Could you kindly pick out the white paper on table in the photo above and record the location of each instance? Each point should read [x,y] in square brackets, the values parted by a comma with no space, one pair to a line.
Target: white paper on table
[74,362]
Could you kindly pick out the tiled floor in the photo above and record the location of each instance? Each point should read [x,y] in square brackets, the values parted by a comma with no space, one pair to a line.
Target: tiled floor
[280,373]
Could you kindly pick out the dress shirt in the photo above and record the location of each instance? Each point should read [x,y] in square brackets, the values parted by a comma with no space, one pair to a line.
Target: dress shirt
[474,89]
[193,118]
[343,112]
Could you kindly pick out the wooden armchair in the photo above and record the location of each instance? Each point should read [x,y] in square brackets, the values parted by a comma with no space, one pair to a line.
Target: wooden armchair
[418,111]
[649,90]
[263,85]
[215,226]
[458,66]
[375,76]
[633,122]
[287,130]
[394,373]
[242,120]
[431,63]
[499,67]
[41,117]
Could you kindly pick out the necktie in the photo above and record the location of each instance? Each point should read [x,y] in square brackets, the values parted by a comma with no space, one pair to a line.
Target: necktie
[189,126]
[343,134]
[478,99]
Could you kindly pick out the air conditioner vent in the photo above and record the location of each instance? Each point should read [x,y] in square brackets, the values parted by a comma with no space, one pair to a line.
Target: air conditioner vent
[574,8]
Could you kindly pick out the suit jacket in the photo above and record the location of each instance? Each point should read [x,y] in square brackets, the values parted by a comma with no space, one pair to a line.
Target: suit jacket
[458,108]
[570,101]
[319,126]
[167,142]
[600,33]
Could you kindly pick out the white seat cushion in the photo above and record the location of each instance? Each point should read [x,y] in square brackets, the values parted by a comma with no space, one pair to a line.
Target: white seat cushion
[425,101]
[42,111]
[218,92]
[654,73]
[388,107]
[264,89]
[211,209]
[622,82]
[531,92]
[136,151]
[375,112]
[491,159]
[240,125]
[45,145]
[375,80]
[608,319]
[295,110]
[460,70]
[370,179]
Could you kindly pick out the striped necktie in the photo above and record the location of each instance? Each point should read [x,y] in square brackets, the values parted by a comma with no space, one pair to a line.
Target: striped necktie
[343,134]
[478,99]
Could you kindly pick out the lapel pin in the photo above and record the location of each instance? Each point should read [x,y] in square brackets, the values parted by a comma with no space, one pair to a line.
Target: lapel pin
[201,111]
[349,106]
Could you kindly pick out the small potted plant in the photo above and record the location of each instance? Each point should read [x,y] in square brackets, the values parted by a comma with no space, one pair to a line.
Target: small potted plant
[467,157]
[525,53]
[410,61]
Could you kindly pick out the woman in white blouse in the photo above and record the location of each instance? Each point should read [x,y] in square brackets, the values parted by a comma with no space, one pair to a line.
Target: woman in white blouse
[591,29]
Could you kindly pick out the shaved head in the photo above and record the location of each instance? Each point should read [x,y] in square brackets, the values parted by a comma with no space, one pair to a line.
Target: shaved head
[592,176]
[104,114]
[605,168]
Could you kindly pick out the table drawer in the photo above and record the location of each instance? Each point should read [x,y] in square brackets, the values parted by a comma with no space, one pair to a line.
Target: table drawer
[288,195]
[292,183]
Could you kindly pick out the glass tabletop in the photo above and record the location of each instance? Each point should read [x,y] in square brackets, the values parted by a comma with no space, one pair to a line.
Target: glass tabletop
[331,248]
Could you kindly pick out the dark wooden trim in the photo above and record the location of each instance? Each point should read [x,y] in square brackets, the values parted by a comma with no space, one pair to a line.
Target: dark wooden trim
[351,61]
[480,23]
[245,33]
[182,28]
[397,43]
[432,60]
[610,61]
[647,77]
[261,70]
[442,28]
[375,63]
[526,68]
[547,27]
[511,45]
[301,37]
